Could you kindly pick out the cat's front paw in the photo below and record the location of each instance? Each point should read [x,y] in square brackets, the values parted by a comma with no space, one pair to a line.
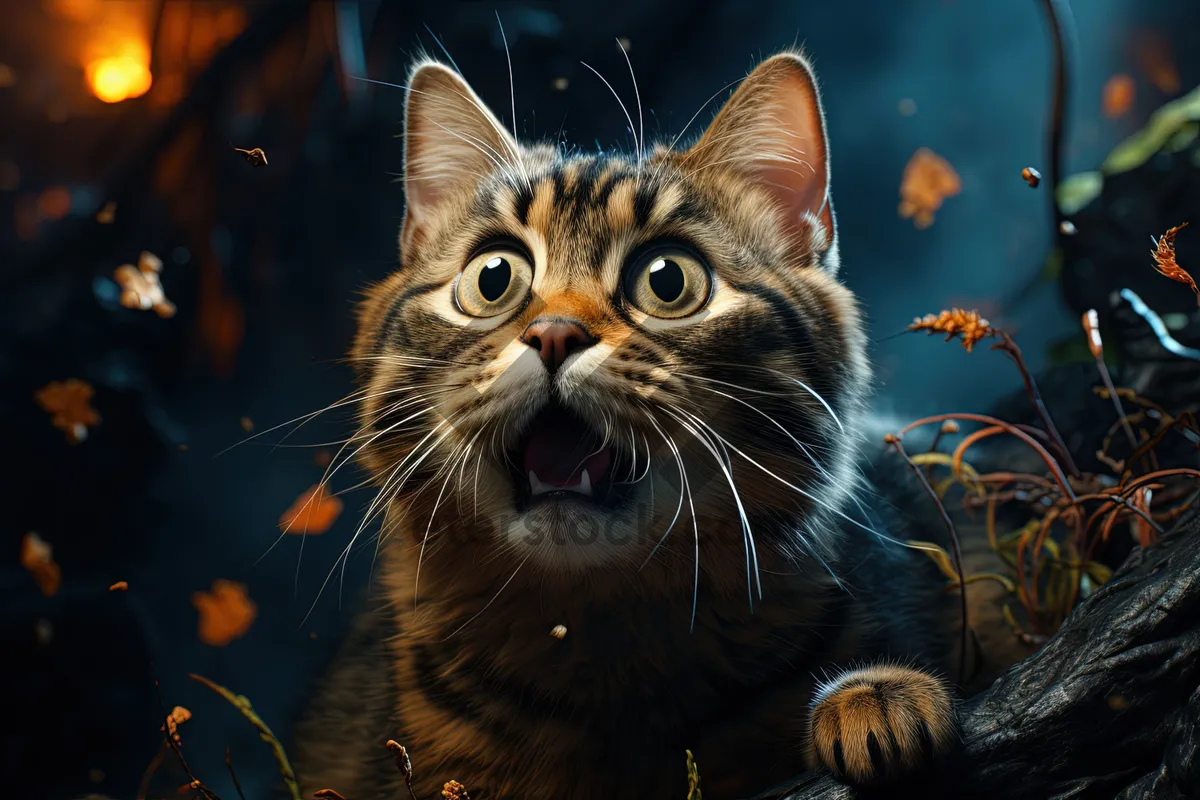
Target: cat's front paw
[880,724]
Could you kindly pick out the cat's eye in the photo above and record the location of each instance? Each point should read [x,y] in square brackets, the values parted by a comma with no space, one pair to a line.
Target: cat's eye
[668,282]
[493,282]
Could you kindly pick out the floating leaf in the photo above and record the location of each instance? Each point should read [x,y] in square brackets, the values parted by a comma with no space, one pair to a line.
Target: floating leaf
[69,404]
[927,181]
[37,557]
[226,613]
[312,512]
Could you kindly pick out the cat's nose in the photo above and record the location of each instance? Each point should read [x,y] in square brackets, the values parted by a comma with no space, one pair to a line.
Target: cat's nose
[555,339]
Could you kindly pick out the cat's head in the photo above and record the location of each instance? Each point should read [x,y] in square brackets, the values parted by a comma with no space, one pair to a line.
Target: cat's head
[580,353]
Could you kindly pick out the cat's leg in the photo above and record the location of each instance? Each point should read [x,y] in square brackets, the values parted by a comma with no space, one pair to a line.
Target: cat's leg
[880,724]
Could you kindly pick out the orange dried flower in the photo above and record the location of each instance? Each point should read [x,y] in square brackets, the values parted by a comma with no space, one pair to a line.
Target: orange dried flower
[37,557]
[69,404]
[1119,92]
[967,325]
[141,287]
[226,613]
[453,790]
[928,180]
[177,717]
[313,512]
[1165,263]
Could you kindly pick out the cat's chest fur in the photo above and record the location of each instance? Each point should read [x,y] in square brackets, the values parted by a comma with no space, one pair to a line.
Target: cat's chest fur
[608,710]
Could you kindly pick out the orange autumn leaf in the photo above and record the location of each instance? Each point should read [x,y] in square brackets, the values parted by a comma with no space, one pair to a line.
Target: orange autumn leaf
[37,557]
[967,325]
[1119,92]
[69,404]
[226,612]
[313,512]
[928,180]
[119,586]
[1165,263]
[141,287]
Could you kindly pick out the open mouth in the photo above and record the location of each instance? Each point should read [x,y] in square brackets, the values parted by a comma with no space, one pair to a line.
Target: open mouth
[560,457]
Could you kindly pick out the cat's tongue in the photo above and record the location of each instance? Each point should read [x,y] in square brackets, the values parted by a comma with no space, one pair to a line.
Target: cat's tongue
[561,448]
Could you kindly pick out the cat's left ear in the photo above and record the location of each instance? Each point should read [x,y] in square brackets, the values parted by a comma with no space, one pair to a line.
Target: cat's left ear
[773,130]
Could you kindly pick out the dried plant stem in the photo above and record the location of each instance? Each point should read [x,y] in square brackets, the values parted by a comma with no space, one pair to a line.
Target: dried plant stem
[151,768]
[955,550]
[1059,478]
[1010,349]
[233,775]
[1102,368]
[243,705]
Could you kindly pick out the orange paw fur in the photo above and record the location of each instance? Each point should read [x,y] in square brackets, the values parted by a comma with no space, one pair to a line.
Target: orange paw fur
[880,724]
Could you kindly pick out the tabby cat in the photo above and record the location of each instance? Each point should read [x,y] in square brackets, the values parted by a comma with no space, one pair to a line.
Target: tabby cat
[624,395]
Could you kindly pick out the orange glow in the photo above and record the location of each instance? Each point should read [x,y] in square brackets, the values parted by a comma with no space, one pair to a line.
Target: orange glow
[118,78]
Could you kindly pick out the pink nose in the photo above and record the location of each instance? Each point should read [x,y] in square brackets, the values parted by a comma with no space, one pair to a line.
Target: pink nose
[555,339]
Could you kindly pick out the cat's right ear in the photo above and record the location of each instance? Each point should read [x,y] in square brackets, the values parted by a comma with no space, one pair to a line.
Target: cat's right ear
[451,141]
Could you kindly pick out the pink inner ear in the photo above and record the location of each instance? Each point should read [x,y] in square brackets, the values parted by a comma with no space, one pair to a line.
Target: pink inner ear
[800,185]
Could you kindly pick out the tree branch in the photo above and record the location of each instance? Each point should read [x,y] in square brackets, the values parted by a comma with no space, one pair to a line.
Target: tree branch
[1109,707]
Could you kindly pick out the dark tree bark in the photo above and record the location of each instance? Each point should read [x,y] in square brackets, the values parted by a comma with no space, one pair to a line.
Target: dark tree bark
[1110,707]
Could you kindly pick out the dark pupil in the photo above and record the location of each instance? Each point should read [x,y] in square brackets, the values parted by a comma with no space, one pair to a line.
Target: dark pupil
[494,279]
[666,280]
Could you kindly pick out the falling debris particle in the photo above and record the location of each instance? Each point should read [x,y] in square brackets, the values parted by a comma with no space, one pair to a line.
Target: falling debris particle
[1067,228]
[955,322]
[949,427]
[1117,702]
[453,790]
[928,180]
[106,215]
[323,458]
[177,717]
[141,287]
[313,635]
[247,424]
[43,631]
[1119,93]
[907,107]
[1165,263]
[119,586]
[226,613]
[96,775]
[69,404]
[37,557]
[183,448]
[624,43]
[1032,177]
[313,512]
[8,77]
[560,84]
[255,157]
[558,631]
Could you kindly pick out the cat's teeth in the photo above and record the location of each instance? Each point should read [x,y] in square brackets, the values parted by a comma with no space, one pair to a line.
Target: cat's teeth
[584,487]
[537,486]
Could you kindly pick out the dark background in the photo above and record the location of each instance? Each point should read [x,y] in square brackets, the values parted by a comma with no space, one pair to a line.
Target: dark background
[264,265]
